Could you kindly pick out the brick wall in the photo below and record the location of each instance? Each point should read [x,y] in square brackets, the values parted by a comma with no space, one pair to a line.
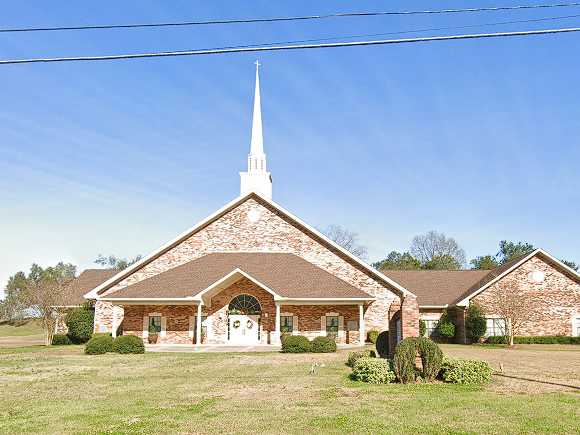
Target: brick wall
[310,319]
[176,320]
[556,299]
[272,232]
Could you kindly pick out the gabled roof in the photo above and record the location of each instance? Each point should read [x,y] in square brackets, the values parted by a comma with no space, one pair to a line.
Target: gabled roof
[437,287]
[440,288]
[285,276]
[498,273]
[86,281]
[337,249]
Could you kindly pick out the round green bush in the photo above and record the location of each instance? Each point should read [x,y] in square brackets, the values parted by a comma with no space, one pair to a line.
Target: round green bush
[373,371]
[295,344]
[431,358]
[475,323]
[79,322]
[60,340]
[322,345]
[382,344]
[422,328]
[445,328]
[128,344]
[372,335]
[355,356]
[404,360]
[99,345]
[465,371]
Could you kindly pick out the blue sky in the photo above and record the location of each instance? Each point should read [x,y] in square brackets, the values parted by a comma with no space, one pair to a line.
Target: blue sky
[478,139]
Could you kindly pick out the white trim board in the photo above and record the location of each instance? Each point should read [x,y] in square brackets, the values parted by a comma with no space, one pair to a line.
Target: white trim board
[93,294]
[465,301]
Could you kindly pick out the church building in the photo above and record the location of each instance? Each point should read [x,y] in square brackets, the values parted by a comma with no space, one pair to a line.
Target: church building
[249,273]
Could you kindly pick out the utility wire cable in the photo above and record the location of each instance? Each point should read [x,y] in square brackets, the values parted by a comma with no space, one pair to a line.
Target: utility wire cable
[403,32]
[293,18]
[291,47]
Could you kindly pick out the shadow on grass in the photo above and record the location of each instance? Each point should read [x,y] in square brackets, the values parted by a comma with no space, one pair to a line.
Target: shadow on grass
[538,381]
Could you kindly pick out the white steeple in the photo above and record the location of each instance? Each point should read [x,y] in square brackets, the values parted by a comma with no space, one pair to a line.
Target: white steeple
[257,178]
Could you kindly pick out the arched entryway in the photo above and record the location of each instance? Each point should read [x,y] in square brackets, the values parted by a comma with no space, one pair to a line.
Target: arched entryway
[244,313]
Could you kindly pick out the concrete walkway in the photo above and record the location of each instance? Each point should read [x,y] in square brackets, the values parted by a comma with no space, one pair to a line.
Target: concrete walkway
[226,348]
[210,348]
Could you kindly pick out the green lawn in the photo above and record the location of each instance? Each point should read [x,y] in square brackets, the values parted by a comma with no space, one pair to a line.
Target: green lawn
[20,328]
[61,390]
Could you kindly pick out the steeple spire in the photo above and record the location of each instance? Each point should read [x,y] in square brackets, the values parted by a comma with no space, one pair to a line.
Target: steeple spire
[257,178]
[257,143]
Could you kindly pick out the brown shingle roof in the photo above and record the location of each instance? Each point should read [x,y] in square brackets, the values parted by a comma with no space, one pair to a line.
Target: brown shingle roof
[442,287]
[285,274]
[86,281]
[437,287]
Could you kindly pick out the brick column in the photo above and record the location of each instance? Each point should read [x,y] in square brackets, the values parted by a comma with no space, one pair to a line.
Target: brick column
[410,317]
[394,315]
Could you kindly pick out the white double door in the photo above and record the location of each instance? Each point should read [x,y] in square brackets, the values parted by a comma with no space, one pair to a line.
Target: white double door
[244,329]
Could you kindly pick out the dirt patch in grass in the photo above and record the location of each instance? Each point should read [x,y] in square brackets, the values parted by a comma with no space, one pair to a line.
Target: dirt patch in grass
[530,368]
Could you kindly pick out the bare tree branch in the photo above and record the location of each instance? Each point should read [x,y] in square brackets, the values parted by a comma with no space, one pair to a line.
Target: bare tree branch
[347,239]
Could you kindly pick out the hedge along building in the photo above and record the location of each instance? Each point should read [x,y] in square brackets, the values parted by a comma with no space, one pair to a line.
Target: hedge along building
[250,272]
[549,291]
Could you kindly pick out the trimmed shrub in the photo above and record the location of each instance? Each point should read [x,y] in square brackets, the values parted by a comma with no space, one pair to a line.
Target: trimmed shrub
[355,356]
[373,371]
[295,344]
[382,344]
[99,345]
[405,355]
[431,358]
[540,339]
[498,339]
[372,336]
[128,344]
[445,328]
[422,328]
[322,345]
[60,340]
[79,322]
[465,371]
[475,323]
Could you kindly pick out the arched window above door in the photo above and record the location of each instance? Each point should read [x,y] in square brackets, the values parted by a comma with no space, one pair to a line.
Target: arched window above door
[244,304]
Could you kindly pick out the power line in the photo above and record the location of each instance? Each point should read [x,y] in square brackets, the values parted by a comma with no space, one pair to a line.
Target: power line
[278,19]
[290,47]
[402,32]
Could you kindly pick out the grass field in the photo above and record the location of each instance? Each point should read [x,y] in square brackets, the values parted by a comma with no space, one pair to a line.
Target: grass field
[21,332]
[61,390]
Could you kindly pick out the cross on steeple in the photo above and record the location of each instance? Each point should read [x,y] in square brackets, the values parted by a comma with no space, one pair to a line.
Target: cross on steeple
[257,63]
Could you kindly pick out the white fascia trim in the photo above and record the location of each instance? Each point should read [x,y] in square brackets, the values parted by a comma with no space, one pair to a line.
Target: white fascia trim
[152,301]
[240,272]
[465,301]
[434,306]
[93,294]
[325,301]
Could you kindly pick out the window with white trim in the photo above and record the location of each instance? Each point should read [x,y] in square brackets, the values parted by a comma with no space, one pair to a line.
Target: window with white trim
[286,324]
[430,327]
[332,326]
[155,324]
[495,327]
[576,327]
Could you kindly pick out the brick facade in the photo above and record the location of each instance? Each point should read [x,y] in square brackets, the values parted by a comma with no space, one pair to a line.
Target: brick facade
[272,232]
[178,326]
[556,299]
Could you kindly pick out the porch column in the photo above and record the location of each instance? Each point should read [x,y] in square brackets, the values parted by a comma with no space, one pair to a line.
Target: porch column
[277,332]
[361,324]
[198,325]
[114,323]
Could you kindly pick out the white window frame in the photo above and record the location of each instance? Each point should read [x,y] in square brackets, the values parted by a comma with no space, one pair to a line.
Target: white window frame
[494,327]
